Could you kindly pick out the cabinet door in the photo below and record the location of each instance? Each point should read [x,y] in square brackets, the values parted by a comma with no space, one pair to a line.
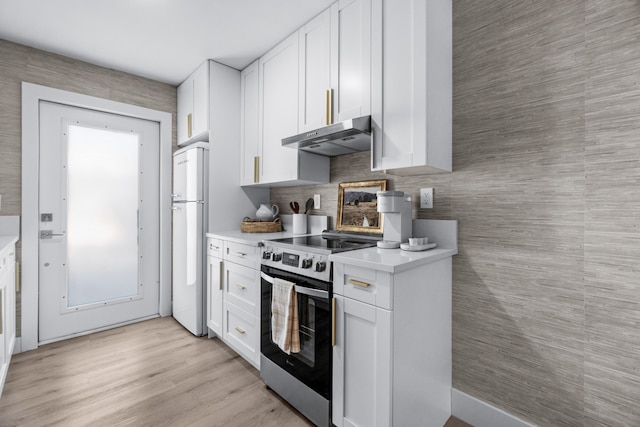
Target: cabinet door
[361,365]
[193,106]
[315,73]
[185,109]
[351,58]
[10,303]
[249,130]
[242,287]
[412,73]
[279,111]
[215,290]
[201,100]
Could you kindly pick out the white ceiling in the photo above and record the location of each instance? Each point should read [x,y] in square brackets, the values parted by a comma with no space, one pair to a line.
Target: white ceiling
[163,40]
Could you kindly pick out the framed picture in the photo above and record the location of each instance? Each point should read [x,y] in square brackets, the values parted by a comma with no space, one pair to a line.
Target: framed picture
[358,206]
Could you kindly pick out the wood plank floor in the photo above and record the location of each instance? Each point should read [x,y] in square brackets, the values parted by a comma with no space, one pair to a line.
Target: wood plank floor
[153,373]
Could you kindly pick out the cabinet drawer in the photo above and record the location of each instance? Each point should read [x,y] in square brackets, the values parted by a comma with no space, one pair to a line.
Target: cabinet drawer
[363,284]
[242,286]
[240,253]
[215,247]
[241,332]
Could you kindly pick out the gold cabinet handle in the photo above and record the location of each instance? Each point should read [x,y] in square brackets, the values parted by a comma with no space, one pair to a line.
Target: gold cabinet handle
[329,106]
[17,277]
[256,169]
[240,254]
[239,329]
[333,322]
[221,276]
[239,286]
[359,283]
[217,248]
[189,124]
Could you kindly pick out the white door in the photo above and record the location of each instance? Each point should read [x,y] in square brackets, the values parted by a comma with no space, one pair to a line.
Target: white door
[99,220]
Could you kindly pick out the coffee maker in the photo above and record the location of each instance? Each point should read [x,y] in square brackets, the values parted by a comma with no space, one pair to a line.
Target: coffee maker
[397,228]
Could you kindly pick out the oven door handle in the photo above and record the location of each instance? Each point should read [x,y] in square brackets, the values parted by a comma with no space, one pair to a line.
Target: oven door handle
[318,293]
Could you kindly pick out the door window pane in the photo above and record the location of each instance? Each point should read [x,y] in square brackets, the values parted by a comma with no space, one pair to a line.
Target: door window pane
[102,215]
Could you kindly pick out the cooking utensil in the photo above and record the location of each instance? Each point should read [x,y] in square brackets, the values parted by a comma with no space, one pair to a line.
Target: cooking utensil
[309,205]
[295,207]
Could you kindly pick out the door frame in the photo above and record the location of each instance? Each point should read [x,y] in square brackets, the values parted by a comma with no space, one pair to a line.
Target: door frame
[32,94]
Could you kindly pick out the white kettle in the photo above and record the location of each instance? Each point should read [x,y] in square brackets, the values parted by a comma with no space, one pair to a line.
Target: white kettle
[267,213]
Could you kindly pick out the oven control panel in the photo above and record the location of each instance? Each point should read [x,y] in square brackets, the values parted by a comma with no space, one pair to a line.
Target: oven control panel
[307,264]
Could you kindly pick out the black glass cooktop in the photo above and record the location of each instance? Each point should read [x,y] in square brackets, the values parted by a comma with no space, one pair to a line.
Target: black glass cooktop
[329,243]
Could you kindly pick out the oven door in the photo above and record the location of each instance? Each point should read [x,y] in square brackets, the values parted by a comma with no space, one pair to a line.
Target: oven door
[312,365]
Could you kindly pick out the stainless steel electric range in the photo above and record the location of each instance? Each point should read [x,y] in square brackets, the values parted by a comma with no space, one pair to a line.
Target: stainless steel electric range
[304,378]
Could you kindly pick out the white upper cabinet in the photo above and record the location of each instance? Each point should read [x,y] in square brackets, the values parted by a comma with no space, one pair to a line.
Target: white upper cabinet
[315,73]
[351,59]
[318,76]
[193,106]
[249,130]
[411,86]
[335,65]
[270,87]
[278,119]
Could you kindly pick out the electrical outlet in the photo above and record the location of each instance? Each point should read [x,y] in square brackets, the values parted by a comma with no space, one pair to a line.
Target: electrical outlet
[316,201]
[426,198]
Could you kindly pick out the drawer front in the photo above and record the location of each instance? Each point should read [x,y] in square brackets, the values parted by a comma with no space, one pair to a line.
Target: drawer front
[363,284]
[215,247]
[239,253]
[242,287]
[241,332]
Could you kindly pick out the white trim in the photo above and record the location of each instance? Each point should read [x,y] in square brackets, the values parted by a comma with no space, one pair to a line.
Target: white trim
[32,94]
[481,414]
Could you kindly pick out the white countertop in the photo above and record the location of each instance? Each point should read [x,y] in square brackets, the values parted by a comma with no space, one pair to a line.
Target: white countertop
[253,239]
[7,240]
[391,260]
[316,224]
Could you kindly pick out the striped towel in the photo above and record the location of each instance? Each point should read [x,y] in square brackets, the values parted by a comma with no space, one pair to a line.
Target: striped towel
[284,316]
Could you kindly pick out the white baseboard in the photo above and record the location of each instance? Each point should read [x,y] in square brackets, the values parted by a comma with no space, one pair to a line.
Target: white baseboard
[17,348]
[481,414]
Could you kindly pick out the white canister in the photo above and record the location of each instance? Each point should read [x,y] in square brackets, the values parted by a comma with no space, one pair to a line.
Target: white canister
[299,224]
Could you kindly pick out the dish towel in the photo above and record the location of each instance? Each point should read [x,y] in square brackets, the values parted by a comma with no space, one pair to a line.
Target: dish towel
[285,331]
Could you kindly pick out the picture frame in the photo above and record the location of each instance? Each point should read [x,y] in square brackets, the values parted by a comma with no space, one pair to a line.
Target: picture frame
[358,206]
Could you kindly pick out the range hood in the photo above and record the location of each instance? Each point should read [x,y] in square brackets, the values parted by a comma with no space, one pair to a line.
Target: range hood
[345,137]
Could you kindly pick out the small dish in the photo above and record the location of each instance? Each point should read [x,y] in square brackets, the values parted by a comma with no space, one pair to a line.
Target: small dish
[416,248]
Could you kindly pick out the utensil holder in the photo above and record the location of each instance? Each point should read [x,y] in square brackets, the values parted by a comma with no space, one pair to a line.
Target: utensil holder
[299,224]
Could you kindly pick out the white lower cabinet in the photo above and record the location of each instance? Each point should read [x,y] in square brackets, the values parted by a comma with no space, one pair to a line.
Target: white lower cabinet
[233,296]
[242,333]
[215,285]
[7,309]
[361,365]
[392,353]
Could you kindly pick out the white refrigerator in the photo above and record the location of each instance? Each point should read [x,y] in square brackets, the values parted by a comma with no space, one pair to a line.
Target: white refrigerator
[190,212]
